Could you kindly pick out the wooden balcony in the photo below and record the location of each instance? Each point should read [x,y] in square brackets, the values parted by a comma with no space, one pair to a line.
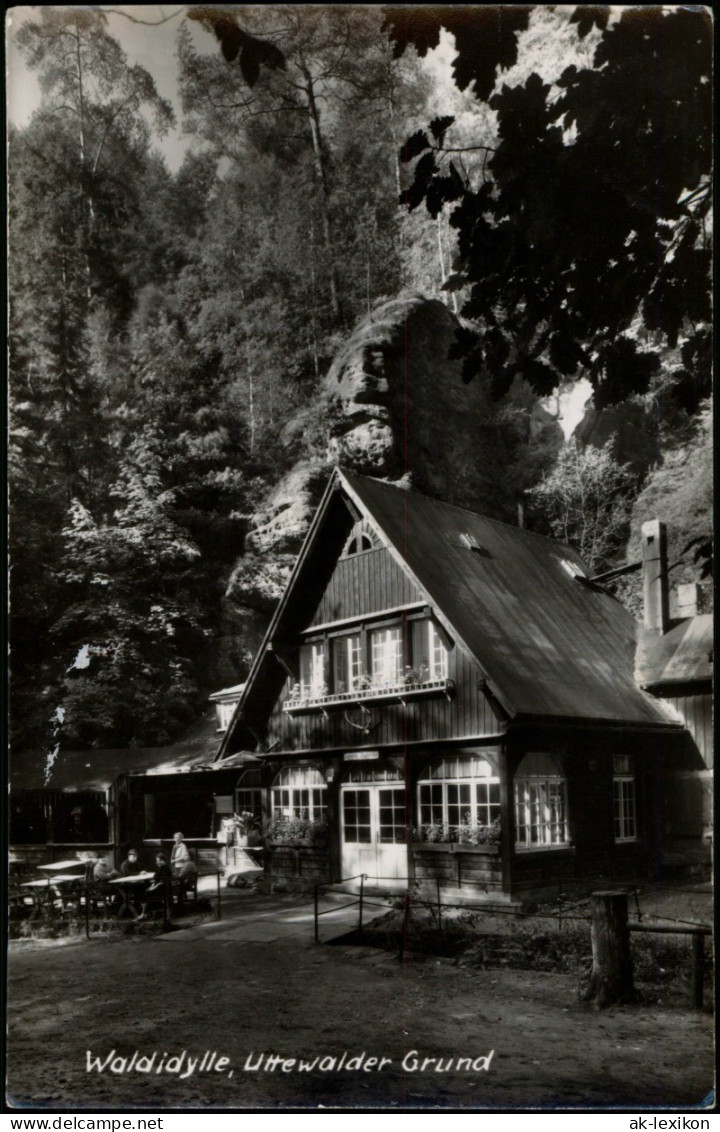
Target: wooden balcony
[384,693]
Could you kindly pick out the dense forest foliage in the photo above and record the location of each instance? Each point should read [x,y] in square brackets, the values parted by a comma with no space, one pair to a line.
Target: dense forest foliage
[167,329]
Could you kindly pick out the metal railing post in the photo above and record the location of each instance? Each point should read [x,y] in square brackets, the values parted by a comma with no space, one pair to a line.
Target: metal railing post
[219,898]
[696,971]
[403,934]
[360,910]
[87,911]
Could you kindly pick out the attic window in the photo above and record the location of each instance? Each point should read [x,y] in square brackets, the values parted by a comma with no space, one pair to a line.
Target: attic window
[470,542]
[356,545]
[572,569]
[361,538]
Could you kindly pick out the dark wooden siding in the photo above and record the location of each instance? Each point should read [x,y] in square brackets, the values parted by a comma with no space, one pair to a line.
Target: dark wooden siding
[364,583]
[304,862]
[466,714]
[539,871]
[696,712]
[457,869]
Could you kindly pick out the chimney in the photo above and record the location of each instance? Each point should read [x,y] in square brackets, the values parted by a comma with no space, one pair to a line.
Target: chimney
[687,596]
[655,576]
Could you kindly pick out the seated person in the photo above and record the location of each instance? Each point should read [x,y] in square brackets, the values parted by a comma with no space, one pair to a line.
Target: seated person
[130,866]
[103,870]
[155,893]
[179,855]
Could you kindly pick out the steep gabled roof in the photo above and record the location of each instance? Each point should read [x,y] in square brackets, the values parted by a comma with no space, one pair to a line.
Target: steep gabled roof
[550,644]
[682,655]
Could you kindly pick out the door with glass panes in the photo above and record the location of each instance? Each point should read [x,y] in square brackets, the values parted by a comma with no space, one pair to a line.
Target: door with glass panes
[373,830]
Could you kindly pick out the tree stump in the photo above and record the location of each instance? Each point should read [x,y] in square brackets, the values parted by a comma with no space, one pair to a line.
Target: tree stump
[611,978]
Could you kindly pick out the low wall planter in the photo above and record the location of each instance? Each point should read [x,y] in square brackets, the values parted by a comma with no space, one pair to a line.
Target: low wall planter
[455,847]
[545,852]
[297,844]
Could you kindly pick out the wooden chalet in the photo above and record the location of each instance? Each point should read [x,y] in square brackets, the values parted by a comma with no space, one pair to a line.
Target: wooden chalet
[445,700]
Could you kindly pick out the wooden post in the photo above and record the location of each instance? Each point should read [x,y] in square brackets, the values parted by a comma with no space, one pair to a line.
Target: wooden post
[611,978]
[507,766]
[696,971]
[404,931]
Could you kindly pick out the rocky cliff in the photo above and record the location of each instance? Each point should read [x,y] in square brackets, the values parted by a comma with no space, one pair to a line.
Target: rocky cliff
[394,406]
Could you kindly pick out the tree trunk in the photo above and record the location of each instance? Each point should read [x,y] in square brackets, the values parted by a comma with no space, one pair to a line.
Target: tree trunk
[441,255]
[313,292]
[321,170]
[84,188]
[611,978]
[251,397]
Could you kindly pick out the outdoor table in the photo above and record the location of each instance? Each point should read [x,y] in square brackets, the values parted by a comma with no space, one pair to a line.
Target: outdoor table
[69,888]
[128,886]
[43,892]
[65,866]
[17,865]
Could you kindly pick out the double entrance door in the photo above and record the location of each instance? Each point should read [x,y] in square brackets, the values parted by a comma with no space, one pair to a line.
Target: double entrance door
[373,830]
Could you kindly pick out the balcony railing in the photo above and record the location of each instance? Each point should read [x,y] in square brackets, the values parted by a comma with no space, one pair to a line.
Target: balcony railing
[402,691]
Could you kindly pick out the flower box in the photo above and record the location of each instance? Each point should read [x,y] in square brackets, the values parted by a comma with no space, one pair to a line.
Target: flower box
[384,692]
[490,850]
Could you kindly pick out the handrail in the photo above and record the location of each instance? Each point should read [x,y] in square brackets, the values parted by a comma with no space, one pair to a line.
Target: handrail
[659,929]
[362,877]
[697,932]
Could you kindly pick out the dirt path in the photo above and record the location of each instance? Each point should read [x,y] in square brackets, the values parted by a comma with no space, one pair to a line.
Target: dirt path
[297,1000]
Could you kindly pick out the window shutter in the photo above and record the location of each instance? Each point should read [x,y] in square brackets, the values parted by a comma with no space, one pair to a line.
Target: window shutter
[305,666]
[420,647]
[340,665]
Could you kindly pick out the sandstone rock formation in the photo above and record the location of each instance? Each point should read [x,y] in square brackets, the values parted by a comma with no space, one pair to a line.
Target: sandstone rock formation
[394,406]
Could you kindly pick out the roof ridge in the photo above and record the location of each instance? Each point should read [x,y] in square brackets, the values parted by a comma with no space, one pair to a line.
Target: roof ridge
[456,507]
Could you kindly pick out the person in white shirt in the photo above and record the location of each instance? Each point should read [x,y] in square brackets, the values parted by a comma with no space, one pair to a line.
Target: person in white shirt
[179,855]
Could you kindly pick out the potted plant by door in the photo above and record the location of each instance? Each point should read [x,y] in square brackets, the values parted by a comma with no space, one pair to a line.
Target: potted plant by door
[247,828]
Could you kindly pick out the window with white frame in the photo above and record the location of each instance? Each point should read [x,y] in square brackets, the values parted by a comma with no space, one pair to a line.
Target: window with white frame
[429,652]
[438,653]
[248,793]
[459,793]
[347,662]
[225,713]
[540,803]
[386,655]
[299,792]
[624,804]
[312,669]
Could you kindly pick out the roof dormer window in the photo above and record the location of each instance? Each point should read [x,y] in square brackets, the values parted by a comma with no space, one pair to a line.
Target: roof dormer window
[469,541]
[572,569]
